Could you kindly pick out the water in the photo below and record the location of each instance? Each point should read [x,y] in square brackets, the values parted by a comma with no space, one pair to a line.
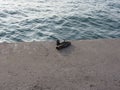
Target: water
[29,20]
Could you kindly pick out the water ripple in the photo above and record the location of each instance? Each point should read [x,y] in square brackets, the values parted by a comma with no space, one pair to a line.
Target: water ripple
[54,19]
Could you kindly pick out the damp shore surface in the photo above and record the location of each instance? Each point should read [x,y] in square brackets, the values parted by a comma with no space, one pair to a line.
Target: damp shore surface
[85,65]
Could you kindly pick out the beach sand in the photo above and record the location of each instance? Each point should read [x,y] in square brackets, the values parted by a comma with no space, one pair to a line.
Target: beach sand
[85,65]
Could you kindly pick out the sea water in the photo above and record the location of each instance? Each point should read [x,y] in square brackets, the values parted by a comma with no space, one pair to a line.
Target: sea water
[36,20]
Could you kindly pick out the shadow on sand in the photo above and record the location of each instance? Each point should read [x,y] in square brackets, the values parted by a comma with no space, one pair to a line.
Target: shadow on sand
[67,51]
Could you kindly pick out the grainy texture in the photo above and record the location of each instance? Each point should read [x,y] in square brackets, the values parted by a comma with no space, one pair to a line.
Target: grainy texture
[86,65]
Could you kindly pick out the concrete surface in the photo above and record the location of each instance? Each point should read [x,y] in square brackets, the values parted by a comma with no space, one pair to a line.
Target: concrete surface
[86,65]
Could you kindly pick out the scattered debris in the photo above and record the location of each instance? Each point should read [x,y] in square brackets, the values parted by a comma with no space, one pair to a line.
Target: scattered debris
[61,45]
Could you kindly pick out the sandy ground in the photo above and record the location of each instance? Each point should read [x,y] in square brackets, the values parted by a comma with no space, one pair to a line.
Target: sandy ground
[86,65]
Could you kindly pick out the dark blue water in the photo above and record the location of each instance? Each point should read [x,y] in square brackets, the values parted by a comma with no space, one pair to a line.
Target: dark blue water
[29,20]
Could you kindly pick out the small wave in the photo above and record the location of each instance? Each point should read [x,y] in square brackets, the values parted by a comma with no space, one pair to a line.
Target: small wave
[114,5]
[2,34]
[48,20]
[3,15]
[31,21]
[11,12]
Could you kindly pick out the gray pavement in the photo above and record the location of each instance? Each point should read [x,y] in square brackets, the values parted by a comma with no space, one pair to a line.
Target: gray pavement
[86,65]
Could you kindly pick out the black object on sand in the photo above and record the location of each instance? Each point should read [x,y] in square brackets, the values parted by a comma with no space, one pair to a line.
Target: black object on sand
[62,45]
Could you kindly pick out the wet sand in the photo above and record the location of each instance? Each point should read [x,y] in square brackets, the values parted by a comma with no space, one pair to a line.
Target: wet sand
[85,65]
